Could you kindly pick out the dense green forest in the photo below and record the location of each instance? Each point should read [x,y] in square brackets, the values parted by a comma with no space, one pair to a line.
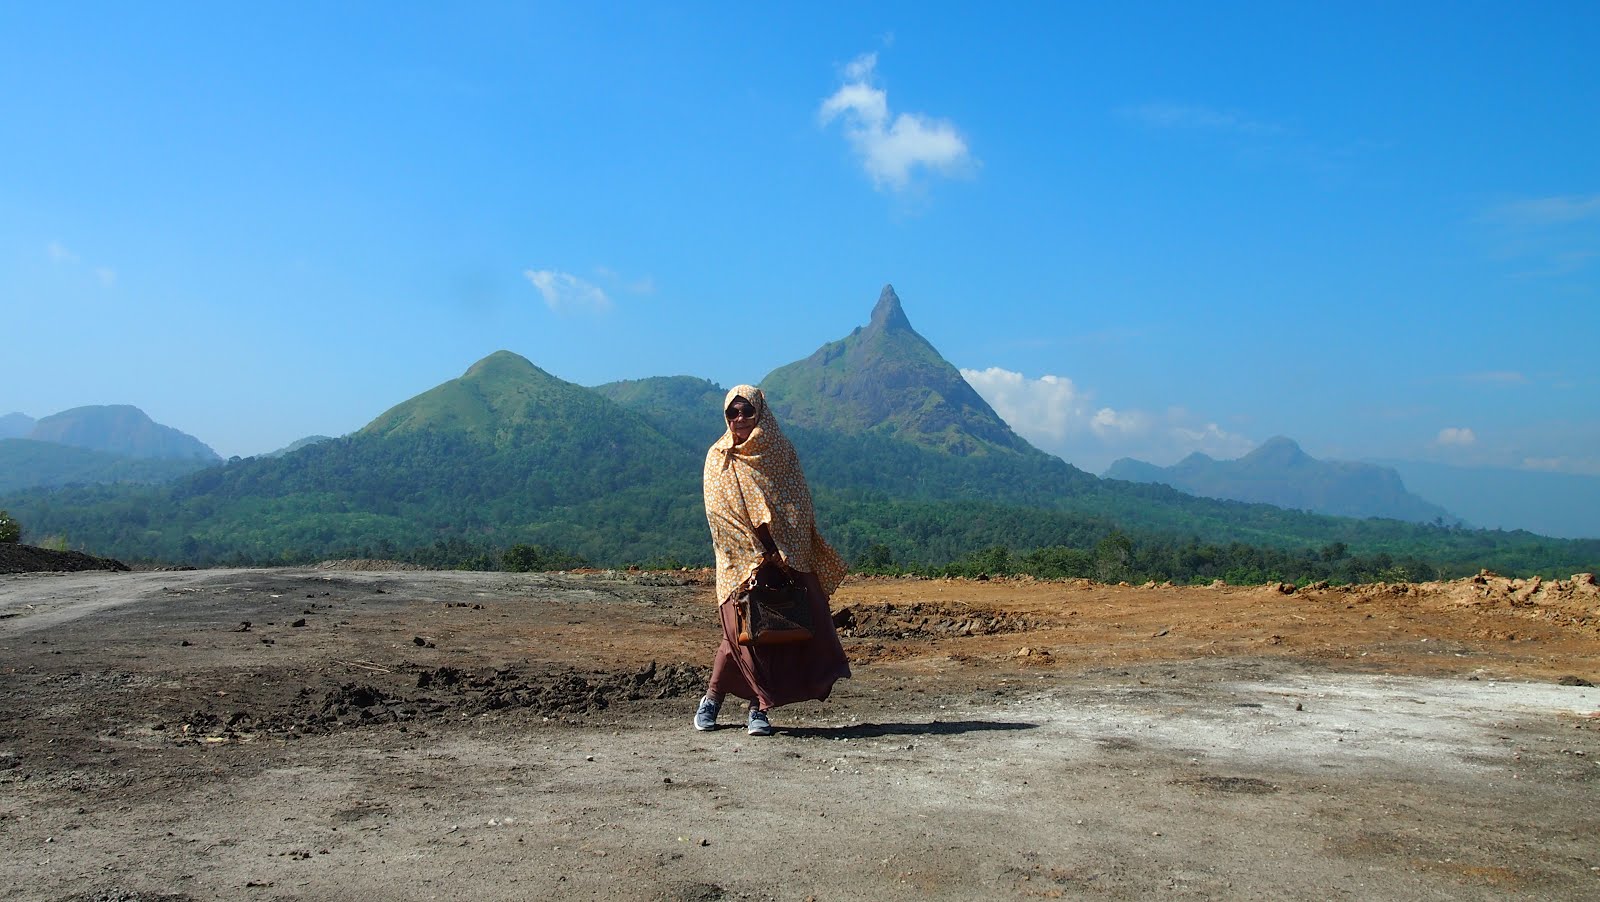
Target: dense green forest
[431,513]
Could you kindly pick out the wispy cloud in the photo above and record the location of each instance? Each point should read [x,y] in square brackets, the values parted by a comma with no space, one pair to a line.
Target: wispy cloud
[1589,466]
[1059,416]
[1456,437]
[61,255]
[628,284]
[1554,236]
[1203,118]
[892,147]
[1547,211]
[564,292]
[58,253]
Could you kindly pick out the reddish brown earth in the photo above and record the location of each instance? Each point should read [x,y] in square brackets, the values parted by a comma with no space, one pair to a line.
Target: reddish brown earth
[425,735]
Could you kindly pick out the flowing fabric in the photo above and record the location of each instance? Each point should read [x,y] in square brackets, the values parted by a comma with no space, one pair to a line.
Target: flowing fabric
[753,483]
[759,481]
[773,675]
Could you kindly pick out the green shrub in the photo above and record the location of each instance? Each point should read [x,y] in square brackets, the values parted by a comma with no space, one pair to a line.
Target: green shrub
[10,529]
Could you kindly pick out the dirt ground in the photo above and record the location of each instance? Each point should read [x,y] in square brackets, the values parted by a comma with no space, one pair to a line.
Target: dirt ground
[379,734]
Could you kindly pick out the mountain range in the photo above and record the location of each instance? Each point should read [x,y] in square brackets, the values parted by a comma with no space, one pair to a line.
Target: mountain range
[905,460]
[95,444]
[1281,474]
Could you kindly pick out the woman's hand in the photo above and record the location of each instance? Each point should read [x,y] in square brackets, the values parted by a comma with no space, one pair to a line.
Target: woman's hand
[772,573]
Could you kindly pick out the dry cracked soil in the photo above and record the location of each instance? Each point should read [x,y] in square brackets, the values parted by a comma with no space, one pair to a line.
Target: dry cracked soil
[354,733]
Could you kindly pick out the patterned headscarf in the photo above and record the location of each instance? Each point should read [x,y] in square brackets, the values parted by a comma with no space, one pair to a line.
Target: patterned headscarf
[759,481]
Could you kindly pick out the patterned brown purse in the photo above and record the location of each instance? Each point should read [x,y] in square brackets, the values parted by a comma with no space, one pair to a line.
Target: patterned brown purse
[774,614]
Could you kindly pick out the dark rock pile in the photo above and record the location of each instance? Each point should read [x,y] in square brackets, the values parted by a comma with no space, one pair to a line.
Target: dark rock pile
[15,558]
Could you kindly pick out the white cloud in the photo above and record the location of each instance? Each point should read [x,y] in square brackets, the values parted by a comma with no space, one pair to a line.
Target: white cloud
[891,146]
[1173,115]
[565,292]
[1058,416]
[1109,424]
[1456,436]
[1051,405]
[106,275]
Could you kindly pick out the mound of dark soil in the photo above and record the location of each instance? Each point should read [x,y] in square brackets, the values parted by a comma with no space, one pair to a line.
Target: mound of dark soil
[28,559]
[450,692]
[927,620]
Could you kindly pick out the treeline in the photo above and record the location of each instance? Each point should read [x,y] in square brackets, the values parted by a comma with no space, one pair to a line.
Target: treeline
[1121,558]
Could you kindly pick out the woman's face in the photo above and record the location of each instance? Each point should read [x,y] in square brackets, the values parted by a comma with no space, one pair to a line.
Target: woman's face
[741,418]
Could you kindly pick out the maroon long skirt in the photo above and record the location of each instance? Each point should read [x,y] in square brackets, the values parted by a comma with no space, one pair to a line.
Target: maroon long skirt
[773,675]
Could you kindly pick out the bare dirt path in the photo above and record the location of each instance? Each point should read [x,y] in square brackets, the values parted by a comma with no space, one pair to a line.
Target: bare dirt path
[309,734]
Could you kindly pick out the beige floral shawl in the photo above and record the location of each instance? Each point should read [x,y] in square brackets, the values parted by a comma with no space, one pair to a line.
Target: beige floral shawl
[759,481]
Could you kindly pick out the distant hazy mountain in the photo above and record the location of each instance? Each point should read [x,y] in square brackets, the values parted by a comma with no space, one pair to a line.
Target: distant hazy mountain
[1565,505]
[120,429]
[888,380]
[297,444]
[26,463]
[16,425]
[1281,474]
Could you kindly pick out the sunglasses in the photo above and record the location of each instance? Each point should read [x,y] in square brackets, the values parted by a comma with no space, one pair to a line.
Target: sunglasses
[740,412]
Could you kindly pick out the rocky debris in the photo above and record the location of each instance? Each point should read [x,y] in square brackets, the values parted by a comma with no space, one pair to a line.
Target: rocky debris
[1490,588]
[367,564]
[117,894]
[1248,785]
[15,558]
[927,620]
[446,692]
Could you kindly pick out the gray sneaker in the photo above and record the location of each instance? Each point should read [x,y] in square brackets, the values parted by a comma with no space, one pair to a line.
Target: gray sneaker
[757,724]
[705,716]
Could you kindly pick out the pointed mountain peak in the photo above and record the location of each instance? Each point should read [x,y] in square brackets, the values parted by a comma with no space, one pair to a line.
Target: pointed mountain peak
[887,315]
[889,380]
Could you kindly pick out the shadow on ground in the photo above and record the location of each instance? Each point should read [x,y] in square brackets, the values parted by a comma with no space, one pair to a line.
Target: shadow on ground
[936,728]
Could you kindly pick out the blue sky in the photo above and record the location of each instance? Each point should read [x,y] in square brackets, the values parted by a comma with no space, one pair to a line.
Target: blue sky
[1142,231]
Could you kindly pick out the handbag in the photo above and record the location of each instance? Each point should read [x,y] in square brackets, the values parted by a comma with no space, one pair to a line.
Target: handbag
[774,614]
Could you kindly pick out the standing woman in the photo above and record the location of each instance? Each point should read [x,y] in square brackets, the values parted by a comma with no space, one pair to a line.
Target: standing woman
[761,518]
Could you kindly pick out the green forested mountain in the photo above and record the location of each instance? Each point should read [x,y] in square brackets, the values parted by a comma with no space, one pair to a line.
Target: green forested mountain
[119,429]
[904,466]
[1281,474]
[684,407]
[297,444]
